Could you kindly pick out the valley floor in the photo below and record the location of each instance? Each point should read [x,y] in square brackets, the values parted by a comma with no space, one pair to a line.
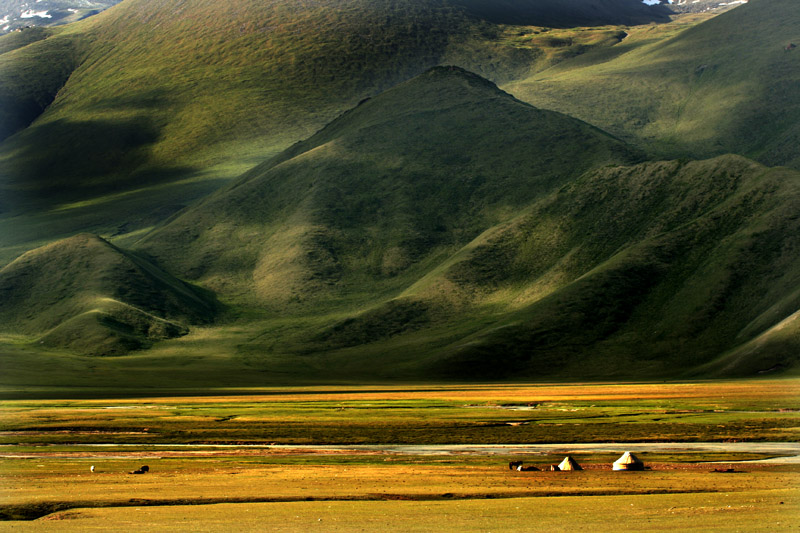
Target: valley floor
[65,464]
[392,493]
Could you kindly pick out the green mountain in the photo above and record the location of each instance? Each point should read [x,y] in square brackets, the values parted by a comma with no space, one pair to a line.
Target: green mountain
[446,229]
[430,225]
[380,194]
[87,295]
[642,270]
[724,86]
[116,122]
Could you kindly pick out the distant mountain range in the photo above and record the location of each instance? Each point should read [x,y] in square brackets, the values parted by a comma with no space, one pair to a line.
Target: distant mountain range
[373,190]
[698,6]
[19,14]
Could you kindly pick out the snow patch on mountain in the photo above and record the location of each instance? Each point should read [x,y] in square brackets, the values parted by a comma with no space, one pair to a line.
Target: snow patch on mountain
[29,14]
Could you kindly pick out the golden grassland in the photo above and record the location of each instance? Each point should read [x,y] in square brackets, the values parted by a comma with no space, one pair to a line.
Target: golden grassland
[50,445]
[238,493]
[744,511]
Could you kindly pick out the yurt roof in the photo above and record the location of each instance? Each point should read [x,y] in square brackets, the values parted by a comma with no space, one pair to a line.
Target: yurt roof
[569,464]
[628,459]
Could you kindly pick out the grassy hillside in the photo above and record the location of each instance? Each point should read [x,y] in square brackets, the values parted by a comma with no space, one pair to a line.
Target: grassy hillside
[660,266]
[440,228]
[663,269]
[28,88]
[446,229]
[148,106]
[85,294]
[726,85]
[380,194]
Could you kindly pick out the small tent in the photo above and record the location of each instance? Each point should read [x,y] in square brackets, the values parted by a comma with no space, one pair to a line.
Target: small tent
[569,464]
[628,461]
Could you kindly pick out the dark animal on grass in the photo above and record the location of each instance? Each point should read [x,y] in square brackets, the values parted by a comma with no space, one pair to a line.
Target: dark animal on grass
[142,470]
[514,465]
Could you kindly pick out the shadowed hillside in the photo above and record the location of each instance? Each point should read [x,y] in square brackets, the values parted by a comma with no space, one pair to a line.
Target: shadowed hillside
[85,294]
[635,270]
[380,194]
[565,13]
[726,85]
[663,269]
[29,87]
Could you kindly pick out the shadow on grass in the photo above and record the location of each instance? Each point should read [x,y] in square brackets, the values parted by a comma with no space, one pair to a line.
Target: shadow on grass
[66,157]
[562,14]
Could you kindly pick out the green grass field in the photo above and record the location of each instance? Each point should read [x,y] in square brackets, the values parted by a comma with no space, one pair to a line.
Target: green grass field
[471,414]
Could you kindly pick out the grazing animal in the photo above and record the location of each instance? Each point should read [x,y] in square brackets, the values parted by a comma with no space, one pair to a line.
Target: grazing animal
[142,470]
[514,465]
[91,468]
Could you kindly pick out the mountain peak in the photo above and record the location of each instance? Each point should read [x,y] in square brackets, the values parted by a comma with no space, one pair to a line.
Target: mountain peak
[425,166]
[453,71]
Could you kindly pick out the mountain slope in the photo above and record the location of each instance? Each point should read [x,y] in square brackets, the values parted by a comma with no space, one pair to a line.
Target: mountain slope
[446,229]
[86,295]
[653,268]
[564,14]
[379,193]
[28,88]
[725,85]
[138,129]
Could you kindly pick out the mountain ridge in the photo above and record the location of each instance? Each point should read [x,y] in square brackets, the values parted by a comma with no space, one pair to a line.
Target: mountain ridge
[408,168]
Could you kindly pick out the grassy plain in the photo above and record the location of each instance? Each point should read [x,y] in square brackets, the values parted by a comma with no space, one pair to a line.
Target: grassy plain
[753,410]
[49,445]
[187,489]
[742,511]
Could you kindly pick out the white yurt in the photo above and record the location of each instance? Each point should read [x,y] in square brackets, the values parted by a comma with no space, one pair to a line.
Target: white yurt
[569,464]
[628,461]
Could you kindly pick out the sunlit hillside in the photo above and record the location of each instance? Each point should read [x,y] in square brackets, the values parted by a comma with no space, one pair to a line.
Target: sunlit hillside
[725,85]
